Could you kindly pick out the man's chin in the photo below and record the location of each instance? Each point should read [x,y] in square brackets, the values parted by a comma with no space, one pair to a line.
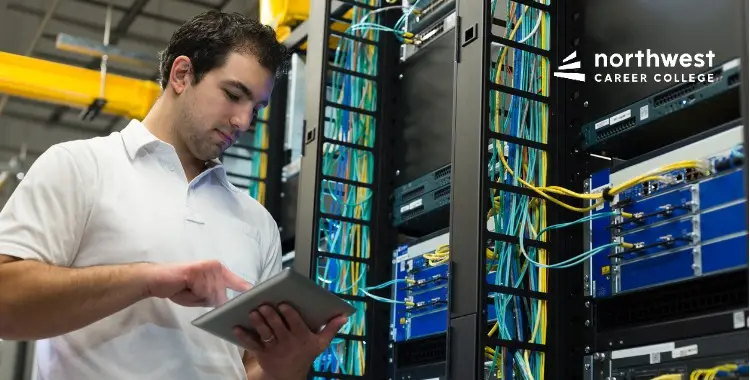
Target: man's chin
[209,154]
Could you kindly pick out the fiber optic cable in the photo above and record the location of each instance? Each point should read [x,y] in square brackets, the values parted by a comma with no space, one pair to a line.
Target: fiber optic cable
[519,319]
[353,202]
[258,158]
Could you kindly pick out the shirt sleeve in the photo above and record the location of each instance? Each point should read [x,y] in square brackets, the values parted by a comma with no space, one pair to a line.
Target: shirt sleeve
[45,216]
[272,265]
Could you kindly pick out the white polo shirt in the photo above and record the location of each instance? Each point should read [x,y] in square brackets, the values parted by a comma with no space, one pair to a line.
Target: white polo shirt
[124,198]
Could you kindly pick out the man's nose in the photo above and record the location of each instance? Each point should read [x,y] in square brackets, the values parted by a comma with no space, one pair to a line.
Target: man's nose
[242,121]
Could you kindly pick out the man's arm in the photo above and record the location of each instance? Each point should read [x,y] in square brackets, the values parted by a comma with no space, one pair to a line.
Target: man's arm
[39,301]
[41,228]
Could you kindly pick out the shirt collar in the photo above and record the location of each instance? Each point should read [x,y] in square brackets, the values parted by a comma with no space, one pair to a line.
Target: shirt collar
[136,136]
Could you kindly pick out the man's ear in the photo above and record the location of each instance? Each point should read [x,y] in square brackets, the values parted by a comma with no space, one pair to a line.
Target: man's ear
[181,74]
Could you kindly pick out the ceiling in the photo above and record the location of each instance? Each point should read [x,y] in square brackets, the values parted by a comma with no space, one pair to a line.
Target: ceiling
[142,26]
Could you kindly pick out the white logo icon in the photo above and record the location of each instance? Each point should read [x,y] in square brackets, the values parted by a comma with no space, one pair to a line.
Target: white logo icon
[570,66]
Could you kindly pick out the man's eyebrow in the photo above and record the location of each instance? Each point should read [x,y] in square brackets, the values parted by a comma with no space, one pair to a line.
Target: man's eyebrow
[238,85]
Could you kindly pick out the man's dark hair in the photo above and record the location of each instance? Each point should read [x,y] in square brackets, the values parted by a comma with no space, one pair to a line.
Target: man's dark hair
[208,38]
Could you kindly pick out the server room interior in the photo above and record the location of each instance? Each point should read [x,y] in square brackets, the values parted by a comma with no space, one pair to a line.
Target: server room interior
[644,285]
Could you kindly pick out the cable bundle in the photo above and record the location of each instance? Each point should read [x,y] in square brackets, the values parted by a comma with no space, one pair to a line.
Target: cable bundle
[724,370]
[512,214]
[258,159]
[350,201]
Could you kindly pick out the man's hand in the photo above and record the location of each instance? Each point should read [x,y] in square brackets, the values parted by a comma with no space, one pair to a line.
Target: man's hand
[284,347]
[202,283]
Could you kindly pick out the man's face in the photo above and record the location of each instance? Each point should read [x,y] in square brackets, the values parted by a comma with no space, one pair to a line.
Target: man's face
[222,105]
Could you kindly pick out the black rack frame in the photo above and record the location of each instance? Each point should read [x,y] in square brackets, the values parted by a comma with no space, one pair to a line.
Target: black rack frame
[276,155]
[316,31]
[470,190]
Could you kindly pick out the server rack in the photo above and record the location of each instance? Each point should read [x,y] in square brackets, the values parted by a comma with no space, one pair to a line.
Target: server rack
[471,190]
[313,175]
[690,310]
[275,151]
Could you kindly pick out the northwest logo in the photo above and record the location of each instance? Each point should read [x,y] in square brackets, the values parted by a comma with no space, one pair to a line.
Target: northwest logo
[658,67]
[581,77]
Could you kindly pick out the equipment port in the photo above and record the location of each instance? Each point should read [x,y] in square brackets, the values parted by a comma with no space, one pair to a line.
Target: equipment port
[691,174]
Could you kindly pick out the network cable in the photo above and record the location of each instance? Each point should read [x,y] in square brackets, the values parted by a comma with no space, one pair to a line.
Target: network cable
[348,238]
[724,370]
[258,158]
[523,320]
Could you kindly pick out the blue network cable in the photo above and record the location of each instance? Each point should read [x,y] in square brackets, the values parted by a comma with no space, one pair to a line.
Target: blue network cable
[258,159]
[344,237]
[347,238]
[518,319]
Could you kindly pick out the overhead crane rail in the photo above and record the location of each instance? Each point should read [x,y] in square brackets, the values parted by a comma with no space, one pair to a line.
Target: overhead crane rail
[73,86]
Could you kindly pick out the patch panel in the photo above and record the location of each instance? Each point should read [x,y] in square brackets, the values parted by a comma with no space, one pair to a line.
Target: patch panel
[685,223]
[421,206]
[411,215]
[668,116]
[420,291]
[726,355]
[412,190]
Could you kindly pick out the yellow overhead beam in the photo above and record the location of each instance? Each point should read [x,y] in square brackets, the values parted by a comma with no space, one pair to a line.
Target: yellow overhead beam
[74,86]
[284,15]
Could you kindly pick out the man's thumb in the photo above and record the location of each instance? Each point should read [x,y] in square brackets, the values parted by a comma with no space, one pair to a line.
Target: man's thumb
[333,327]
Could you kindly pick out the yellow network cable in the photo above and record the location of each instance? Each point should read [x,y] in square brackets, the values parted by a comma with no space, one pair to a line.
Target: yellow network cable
[710,374]
[674,376]
[441,255]
[694,164]
[263,162]
[541,211]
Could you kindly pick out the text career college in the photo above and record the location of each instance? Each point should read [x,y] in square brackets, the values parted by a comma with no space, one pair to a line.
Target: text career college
[643,78]
[656,60]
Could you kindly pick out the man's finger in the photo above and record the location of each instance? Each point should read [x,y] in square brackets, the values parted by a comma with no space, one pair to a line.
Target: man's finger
[247,340]
[221,297]
[257,321]
[332,328]
[294,320]
[187,298]
[273,319]
[234,281]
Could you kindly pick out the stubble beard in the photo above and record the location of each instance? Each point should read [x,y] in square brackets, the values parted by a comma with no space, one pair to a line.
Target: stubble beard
[199,145]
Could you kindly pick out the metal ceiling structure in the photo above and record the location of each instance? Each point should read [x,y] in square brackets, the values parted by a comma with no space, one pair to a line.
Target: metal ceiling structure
[30,27]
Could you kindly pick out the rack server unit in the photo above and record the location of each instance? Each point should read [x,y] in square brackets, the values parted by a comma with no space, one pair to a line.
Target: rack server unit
[681,358]
[421,206]
[669,115]
[685,223]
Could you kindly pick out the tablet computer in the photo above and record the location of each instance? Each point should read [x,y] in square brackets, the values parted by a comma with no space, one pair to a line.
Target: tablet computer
[315,305]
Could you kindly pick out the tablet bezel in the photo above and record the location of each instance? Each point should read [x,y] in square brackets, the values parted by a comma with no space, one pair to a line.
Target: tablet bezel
[315,305]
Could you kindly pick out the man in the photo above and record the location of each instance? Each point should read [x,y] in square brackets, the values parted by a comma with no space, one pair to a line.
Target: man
[110,247]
